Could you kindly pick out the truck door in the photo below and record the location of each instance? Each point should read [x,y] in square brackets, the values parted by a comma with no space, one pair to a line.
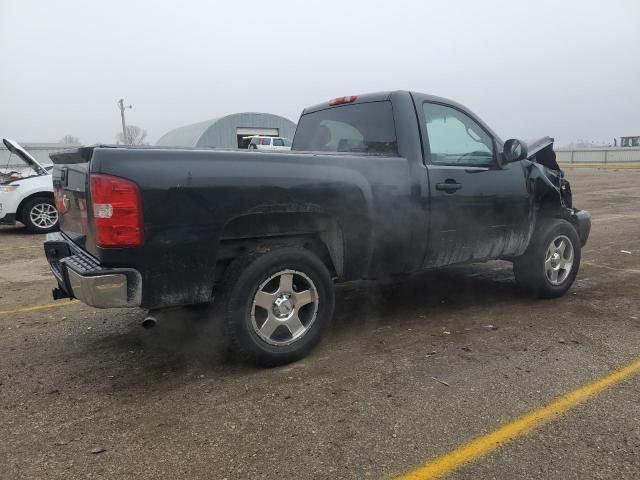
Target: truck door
[478,210]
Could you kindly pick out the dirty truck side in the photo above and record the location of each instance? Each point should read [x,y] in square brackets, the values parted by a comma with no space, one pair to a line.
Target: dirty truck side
[375,185]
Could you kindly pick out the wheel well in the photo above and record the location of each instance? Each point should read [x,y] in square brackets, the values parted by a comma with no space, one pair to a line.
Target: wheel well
[551,205]
[549,208]
[313,231]
[24,201]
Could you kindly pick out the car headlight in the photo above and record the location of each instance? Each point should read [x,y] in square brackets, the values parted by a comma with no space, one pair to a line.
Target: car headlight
[8,188]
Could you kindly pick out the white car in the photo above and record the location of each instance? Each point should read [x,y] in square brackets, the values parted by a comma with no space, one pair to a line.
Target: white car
[27,196]
[259,142]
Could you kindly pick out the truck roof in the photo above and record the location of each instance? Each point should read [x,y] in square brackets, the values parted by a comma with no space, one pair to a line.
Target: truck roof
[381,97]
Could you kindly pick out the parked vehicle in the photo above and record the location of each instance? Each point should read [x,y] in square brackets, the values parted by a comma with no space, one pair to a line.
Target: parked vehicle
[259,142]
[375,185]
[27,196]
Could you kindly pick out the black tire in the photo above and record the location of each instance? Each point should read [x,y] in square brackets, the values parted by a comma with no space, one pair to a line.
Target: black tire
[239,289]
[32,208]
[531,269]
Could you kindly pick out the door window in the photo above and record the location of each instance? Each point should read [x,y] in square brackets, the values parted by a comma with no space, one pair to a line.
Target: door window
[278,142]
[266,141]
[456,139]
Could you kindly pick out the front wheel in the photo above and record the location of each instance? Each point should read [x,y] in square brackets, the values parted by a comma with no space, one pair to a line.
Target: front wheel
[550,265]
[39,215]
[276,305]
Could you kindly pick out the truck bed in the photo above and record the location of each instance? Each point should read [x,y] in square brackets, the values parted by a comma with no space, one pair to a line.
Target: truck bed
[198,204]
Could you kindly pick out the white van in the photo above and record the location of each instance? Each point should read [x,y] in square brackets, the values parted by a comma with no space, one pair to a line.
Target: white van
[259,142]
[26,194]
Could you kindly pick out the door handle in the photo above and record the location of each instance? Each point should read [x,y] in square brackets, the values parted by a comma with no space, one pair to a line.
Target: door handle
[449,186]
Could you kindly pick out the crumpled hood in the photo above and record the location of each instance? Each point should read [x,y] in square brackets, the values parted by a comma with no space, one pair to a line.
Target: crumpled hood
[544,173]
[17,150]
[541,151]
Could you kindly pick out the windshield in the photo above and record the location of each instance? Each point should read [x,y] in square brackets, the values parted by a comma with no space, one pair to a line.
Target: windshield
[357,128]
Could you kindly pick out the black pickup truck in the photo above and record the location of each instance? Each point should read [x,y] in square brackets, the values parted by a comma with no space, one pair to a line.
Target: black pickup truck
[375,185]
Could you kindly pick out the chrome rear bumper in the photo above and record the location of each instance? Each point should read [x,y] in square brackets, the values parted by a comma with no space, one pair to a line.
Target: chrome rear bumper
[101,291]
[80,276]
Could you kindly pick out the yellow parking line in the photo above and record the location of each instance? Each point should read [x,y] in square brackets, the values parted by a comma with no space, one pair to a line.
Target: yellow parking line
[449,462]
[34,308]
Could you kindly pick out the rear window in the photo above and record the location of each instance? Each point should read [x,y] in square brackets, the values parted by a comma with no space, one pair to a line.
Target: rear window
[358,128]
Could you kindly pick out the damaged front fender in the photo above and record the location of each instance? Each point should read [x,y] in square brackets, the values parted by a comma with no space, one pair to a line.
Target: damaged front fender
[546,182]
[549,190]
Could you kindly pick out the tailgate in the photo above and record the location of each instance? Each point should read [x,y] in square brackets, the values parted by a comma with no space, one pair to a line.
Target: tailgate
[71,186]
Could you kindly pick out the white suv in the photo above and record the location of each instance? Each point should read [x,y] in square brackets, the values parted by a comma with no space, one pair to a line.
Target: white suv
[259,142]
[27,196]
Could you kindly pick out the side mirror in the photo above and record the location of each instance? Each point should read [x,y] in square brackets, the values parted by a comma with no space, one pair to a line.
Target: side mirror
[514,151]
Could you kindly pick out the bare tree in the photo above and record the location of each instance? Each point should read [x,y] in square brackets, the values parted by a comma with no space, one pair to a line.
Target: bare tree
[70,140]
[135,136]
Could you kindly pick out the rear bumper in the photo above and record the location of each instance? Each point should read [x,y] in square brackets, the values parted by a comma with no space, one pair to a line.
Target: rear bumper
[582,221]
[80,276]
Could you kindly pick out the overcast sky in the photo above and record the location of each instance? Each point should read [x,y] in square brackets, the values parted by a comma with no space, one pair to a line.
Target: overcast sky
[568,69]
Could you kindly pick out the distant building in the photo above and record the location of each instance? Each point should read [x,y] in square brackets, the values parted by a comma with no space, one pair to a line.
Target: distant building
[630,141]
[230,131]
[39,151]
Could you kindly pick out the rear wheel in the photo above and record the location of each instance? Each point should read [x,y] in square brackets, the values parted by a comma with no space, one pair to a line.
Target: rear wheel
[39,215]
[276,305]
[550,264]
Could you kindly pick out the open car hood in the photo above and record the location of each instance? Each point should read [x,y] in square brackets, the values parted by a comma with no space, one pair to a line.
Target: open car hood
[541,151]
[17,150]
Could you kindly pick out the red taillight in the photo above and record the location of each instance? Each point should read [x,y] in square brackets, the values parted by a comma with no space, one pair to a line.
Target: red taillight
[343,100]
[59,198]
[117,211]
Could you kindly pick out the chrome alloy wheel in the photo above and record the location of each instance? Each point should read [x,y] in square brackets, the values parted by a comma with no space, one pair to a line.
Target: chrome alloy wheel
[558,260]
[43,215]
[284,307]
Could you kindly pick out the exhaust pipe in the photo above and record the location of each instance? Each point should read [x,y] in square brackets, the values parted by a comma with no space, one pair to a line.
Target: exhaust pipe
[149,322]
[154,315]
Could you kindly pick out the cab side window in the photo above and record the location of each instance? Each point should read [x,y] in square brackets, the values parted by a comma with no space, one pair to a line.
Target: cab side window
[456,139]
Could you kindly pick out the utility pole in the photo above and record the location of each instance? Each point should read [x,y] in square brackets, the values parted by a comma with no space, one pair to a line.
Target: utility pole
[124,125]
